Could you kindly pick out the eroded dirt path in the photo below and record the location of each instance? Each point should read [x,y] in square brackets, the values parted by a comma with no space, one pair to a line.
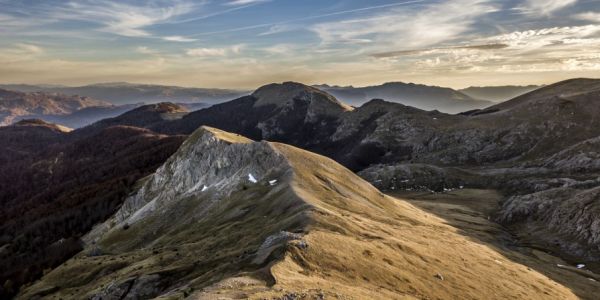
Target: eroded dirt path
[471,211]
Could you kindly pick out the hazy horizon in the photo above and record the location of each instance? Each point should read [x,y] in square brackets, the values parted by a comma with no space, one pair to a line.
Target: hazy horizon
[243,44]
[50,85]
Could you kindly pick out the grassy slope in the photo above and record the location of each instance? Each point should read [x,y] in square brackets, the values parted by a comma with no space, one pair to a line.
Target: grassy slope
[370,246]
[361,244]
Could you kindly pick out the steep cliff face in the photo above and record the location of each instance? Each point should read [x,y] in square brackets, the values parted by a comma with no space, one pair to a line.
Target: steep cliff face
[226,217]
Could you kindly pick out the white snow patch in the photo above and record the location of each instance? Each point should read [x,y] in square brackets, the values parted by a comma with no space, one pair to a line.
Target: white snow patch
[204,188]
[273,182]
[251,178]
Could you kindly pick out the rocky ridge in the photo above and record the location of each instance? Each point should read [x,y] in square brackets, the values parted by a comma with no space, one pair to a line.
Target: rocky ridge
[290,223]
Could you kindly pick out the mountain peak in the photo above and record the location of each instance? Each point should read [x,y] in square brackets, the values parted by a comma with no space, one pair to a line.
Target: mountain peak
[242,210]
[581,90]
[220,135]
[162,107]
[284,94]
[42,123]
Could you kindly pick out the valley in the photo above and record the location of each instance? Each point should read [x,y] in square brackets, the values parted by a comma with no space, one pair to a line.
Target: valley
[216,222]
[300,150]
[471,211]
[252,197]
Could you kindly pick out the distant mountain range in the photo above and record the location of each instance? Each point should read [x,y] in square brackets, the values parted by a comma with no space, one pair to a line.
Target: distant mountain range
[19,105]
[508,146]
[539,149]
[416,95]
[498,93]
[120,93]
[70,111]
[261,213]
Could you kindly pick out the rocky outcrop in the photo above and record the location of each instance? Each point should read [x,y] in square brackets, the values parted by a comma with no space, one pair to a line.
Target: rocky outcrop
[417,177]
[566,212]
[208,161]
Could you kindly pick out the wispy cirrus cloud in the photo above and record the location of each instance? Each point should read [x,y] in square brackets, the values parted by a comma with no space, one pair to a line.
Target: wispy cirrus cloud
[310,18]
[30,48]
[481,47]
[20,52]
[215,52]
[125,19]
[178,38]
[544,7]
[245,2]
[145,50]
[206,52]
[436,23]
[589,16]
[121,18]
[570,49]
[278,28]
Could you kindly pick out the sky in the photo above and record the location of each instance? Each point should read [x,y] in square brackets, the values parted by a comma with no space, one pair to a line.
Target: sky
[244,44]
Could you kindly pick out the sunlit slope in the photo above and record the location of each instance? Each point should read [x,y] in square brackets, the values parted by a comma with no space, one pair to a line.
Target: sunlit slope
[229,218]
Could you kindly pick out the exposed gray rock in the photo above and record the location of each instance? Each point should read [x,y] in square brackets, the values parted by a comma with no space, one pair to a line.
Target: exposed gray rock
[143,287]
[205,163]
[273,242]
[568,211]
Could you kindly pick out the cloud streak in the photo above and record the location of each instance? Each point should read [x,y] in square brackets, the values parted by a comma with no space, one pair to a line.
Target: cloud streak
[315,17]
[482,47]
[121,18]
[545,7]
[434,24]
[246,2]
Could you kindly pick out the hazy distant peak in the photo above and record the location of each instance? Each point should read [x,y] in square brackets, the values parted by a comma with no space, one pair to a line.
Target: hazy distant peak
[113,84]
[162,107]
[578,90]
[498,93]
[42,123]
[283,94]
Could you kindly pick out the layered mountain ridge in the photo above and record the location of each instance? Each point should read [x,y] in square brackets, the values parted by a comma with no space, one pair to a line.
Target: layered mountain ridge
[268,222]
[18,105]
[119,93]
[498,93]
[416,95]
[538,149]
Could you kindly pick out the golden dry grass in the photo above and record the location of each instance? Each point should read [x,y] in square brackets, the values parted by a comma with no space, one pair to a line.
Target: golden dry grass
[357,244]
[365,245]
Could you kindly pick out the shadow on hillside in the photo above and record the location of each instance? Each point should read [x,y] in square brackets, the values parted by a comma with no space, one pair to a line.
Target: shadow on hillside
[470,211]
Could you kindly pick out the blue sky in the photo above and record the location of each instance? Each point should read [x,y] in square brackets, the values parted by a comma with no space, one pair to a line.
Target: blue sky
[247,43]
